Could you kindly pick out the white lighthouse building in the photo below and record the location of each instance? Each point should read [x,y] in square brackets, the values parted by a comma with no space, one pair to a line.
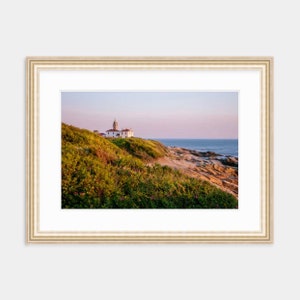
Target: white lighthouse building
[115,132]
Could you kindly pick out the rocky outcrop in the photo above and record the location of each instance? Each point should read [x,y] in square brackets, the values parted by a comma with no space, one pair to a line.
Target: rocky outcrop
[218,170]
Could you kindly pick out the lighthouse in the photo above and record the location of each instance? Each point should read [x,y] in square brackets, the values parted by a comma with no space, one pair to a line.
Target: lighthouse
[115,132]
[115,125]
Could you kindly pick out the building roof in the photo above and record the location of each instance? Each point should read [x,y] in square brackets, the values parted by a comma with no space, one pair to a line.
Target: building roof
[126,129]
[112,130]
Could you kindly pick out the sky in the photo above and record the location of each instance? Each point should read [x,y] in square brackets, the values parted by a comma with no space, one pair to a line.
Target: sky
[207,115]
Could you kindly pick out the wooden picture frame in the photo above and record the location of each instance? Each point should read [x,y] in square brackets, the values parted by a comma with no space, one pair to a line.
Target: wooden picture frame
[251,77]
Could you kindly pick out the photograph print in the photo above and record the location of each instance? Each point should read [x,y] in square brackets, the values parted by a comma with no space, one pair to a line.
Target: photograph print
[143,150]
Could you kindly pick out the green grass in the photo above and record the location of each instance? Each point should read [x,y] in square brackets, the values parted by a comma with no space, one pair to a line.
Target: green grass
[112,173]
[146,150]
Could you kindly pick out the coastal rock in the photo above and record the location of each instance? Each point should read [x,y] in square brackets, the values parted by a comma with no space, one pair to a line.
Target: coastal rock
[209,166]
[229,161]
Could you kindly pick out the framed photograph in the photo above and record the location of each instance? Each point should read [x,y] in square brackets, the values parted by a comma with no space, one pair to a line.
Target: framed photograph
[149,149]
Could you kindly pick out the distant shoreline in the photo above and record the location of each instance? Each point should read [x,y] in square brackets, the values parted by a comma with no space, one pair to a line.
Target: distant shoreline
[223,147]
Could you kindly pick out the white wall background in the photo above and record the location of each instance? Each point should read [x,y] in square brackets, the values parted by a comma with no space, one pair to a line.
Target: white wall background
[156,27]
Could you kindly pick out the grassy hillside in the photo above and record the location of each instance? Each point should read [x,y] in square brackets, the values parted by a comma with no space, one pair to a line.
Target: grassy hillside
[112,173]
[146,150]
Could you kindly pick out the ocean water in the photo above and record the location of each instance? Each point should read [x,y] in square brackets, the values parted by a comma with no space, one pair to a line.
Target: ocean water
[222,147]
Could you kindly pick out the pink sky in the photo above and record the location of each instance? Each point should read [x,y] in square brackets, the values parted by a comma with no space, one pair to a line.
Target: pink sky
[155,114]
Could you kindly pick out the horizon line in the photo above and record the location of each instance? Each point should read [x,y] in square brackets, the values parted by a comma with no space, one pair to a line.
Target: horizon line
[163,138]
